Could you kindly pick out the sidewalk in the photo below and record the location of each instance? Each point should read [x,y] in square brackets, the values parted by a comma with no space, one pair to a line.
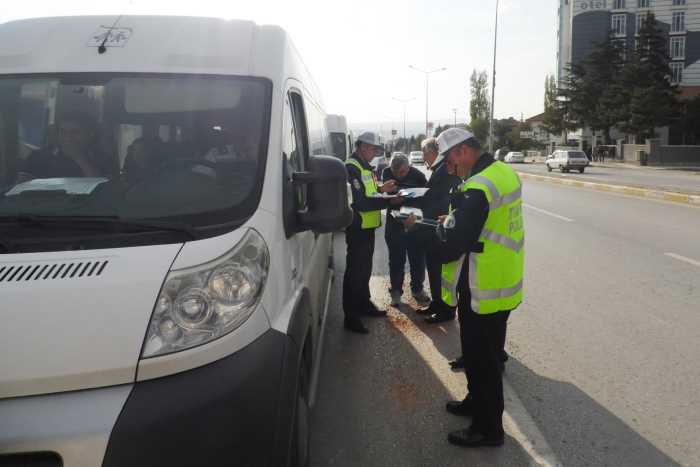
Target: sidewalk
[627,165]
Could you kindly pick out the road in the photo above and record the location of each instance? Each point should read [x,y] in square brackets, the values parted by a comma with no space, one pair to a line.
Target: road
[640,177]
[604,350]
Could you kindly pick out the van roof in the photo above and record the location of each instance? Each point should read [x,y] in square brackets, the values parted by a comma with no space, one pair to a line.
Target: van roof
[149,44]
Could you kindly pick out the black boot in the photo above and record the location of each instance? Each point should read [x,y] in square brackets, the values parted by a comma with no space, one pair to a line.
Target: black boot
[353,324]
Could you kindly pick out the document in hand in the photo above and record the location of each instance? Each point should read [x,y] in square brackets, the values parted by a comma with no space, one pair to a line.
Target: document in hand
[413,192]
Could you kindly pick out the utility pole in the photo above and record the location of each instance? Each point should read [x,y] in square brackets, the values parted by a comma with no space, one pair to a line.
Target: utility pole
[404,102]
[427,73]
[493,81]
[455,112]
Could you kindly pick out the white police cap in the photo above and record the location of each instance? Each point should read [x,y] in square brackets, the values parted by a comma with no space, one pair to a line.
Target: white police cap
[369,138]
[451,138]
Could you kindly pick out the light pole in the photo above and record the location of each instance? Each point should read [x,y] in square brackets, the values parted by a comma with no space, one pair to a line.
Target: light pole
[427,73]
[404,102]
[493,81]
[455,112]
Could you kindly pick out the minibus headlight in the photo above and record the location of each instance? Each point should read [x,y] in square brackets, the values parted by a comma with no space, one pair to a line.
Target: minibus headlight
[203,303]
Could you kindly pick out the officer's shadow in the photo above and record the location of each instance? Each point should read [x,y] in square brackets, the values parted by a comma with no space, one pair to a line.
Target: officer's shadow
[579,430]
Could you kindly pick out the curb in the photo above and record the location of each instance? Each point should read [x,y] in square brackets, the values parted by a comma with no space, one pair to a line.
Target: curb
[682,198]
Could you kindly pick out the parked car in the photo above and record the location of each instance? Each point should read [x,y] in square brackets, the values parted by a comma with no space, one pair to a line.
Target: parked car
[515,158]
[416,158]
[500,154]
[566,160]
[150,324]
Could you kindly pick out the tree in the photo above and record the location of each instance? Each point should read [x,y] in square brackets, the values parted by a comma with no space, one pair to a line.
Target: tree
[652,100]
[554,119]
[591,91]
[480,129]
[479,107]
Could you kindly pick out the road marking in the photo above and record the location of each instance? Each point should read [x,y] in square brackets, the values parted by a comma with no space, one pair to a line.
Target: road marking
[566,219]
[684,259]
[516,420]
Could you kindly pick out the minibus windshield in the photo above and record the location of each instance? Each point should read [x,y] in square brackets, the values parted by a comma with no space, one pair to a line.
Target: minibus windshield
[171,148]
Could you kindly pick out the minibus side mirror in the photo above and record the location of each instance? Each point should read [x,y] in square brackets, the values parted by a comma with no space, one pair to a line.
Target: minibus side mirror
[328,209]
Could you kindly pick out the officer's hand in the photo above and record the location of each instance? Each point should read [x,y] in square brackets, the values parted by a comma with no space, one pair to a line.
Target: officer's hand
[441,219]
[388,186]
[396,200]
[410,221]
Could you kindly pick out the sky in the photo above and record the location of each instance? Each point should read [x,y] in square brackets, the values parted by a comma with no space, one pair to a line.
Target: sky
[359,51]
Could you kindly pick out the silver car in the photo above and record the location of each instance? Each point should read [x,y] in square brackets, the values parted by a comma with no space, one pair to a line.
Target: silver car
[565,161]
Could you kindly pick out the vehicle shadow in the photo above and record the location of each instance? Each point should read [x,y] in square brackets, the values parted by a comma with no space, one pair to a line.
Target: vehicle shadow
[579,430]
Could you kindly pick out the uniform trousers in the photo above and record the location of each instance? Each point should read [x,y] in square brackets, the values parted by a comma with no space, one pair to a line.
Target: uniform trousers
[358,271]
[482,344]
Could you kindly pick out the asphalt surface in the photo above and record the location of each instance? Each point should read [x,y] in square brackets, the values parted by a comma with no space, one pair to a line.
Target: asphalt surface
[604,350]
[638,177]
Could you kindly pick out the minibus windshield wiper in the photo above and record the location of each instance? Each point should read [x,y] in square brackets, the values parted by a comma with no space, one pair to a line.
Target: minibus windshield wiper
[116,221]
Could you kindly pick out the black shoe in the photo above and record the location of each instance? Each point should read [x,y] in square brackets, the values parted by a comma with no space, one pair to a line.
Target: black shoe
[457,363]
[374,312]
[473,439]
[426,311]
[504,356]
[460,408]
[439,318]
[355,325]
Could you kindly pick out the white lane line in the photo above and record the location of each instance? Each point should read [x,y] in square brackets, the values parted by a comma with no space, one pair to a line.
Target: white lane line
[529,206]
[683,258]
[516,420]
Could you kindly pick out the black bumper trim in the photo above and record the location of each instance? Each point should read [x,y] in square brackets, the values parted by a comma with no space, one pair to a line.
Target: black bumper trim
[224,413]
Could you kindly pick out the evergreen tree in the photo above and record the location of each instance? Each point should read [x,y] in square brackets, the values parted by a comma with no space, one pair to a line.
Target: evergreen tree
[651,100]
[554,119]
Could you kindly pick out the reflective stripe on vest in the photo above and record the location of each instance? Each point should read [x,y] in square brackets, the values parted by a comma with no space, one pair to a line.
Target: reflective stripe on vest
[496,274]
[370,219]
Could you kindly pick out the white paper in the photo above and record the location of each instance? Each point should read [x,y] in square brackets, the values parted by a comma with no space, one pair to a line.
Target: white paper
[413,192]
[72,186]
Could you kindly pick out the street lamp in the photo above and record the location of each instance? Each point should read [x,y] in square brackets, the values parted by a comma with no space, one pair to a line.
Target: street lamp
[404,102]
[455,112]
[427,73]
[493,81]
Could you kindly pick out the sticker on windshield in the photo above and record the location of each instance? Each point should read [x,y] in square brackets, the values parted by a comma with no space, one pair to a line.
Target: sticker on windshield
[115,37]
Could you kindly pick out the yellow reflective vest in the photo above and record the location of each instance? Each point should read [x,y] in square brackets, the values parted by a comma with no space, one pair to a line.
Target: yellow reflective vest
[370,219]
[496,274]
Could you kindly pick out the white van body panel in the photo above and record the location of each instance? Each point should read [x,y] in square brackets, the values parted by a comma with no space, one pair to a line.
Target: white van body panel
[77,424]
[79,332]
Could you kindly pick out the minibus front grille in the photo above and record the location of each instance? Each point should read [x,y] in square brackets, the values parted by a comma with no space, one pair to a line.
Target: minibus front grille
[71,270]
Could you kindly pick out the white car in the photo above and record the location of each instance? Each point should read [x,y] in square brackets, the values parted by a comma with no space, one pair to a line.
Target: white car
[515,157]
[397,153]
[416,158]
[145,324]
[566,160]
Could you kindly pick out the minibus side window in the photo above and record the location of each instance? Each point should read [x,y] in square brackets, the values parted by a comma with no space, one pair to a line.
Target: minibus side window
[302,143]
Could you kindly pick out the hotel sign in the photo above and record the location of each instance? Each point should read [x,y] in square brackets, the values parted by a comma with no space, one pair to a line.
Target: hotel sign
[583,6]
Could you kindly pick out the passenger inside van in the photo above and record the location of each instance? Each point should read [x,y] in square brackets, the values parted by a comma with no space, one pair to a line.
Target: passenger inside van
[143,157]
[76,153]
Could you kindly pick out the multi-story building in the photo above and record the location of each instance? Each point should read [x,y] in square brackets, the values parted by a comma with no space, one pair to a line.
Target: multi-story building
[582,23]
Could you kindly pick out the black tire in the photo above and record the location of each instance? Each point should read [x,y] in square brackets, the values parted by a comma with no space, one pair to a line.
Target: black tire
[301,436]
[549,169]
[562,169]
[581,170]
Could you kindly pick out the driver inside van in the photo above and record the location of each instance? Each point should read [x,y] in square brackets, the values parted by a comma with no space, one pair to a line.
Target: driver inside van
[73,156]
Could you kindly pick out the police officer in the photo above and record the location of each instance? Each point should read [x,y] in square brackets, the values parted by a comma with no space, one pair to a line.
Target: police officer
[483,275]
[367,204]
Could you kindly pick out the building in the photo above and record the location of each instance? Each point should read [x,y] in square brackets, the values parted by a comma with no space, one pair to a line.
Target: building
[582,23]
[538,133]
